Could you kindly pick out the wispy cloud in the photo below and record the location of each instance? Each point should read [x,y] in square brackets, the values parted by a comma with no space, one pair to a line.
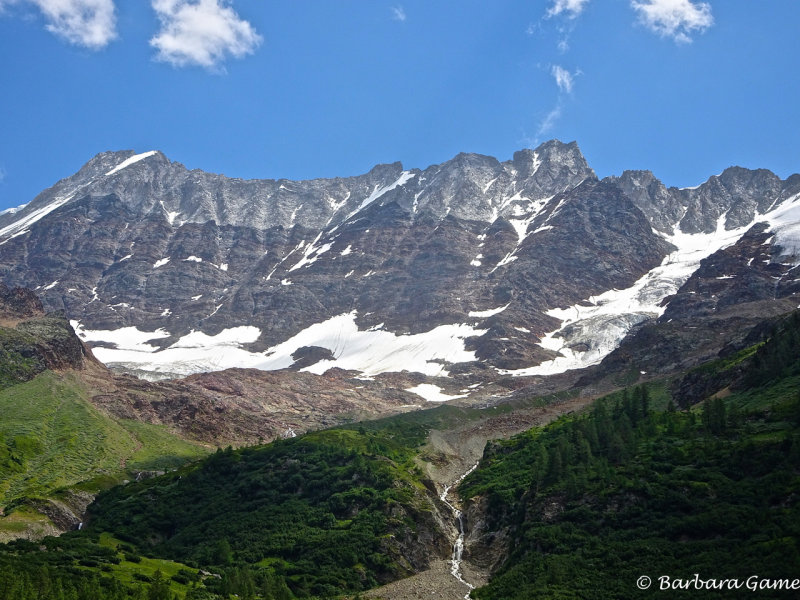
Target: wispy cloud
[564,78]
[399,13]
[563,43]
[569,8]
[569,11]
[2,170]
[201,32]
[548,122]
[565,81]
[88,23]
[674,18]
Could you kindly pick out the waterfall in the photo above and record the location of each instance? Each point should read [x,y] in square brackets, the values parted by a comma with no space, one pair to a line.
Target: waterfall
[458,546]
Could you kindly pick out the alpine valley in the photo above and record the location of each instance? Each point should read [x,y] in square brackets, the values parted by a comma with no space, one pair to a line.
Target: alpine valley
[482,379]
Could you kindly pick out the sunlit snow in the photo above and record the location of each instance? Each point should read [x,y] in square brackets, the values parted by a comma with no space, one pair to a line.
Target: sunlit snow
[483,314]
[376,351]
[432,393]
[13,209]
[127,339]
[311,254]
[129,161]
[785,224]
[371,352]
[171,215]
[508,258]
[21,225]
[589,330]
[378,191]
[193,353]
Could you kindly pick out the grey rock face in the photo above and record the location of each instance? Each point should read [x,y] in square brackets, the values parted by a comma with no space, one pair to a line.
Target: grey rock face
[138,240]
[662,207]
[736,193]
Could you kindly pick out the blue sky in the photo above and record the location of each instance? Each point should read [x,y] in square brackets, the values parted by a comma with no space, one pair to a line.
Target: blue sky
[324,88]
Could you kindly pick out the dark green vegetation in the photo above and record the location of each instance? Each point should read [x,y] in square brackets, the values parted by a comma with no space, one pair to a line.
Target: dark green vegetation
[330,512]
[595,501]
[73,567]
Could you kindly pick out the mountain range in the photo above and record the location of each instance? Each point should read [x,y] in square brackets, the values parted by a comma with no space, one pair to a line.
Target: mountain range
[465,274]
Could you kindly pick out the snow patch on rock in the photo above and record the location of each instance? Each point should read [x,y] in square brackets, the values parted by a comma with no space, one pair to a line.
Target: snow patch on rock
[129,161]
[432,393]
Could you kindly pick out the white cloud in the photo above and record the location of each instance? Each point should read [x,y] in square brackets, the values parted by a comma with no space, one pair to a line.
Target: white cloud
[571,8]
[565,82]
[674,18]
[564,79]
[549,121]
[88,23]
[2,170]
[201,32]
[399,13]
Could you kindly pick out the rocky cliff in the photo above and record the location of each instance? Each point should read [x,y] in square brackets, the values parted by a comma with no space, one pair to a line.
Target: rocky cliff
[473,269]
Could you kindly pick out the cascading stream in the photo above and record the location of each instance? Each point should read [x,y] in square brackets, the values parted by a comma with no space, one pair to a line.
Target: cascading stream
[458,546]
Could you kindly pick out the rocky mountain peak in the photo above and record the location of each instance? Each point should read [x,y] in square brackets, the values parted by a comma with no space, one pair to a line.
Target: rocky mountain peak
[661,207]
[386,170]
[737,193]
[116,160]
[551,168]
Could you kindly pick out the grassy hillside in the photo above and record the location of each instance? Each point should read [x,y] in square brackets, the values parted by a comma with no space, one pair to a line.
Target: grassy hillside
[593,502]
[52,438]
